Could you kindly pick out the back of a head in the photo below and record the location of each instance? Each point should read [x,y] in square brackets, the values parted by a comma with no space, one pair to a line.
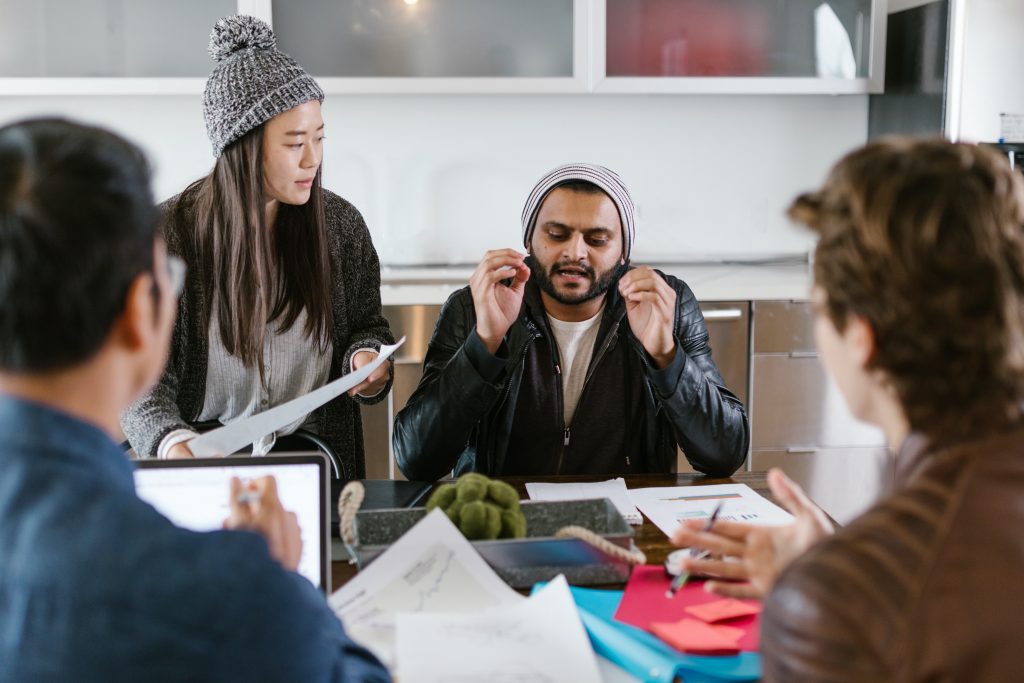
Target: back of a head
[924,239]
[77,224]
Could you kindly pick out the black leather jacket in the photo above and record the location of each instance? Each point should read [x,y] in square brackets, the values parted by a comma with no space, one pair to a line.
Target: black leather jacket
[462,412]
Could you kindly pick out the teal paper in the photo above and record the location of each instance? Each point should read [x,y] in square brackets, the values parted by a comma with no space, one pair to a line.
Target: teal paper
[645,656]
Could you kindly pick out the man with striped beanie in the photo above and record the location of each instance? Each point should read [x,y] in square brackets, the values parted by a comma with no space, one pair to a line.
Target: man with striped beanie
[567,359]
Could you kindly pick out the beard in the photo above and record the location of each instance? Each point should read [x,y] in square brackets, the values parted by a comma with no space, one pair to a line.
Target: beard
[599,282]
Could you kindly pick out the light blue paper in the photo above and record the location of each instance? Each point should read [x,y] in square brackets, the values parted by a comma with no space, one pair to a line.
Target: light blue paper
[645,656]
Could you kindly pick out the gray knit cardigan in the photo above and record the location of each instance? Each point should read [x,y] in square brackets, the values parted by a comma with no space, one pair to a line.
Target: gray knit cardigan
[358,324]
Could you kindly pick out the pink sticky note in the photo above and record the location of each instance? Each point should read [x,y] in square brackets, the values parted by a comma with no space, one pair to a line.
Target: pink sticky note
[644,603]
[722,610]
[690,635]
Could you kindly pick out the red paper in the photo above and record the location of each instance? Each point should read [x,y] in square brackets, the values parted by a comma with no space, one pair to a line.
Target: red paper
[690,635]
[723,610]
[644,603]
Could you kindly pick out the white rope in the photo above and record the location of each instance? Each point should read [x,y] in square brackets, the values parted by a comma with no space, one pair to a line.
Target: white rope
[634,556]
[349,502]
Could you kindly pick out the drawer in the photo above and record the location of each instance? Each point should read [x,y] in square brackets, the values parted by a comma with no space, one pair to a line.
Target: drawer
[728,326]
[843,481]
[783,327]
[794,404]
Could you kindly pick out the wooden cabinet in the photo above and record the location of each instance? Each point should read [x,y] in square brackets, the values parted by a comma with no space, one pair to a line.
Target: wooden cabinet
[800,421]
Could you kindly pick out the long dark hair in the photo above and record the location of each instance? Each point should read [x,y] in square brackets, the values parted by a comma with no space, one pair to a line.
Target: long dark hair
[256,275]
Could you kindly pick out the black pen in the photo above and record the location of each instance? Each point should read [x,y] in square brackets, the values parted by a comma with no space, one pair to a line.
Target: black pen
[684,575]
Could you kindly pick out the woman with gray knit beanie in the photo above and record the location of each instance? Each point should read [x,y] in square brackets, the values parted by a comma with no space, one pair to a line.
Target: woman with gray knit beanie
[283,289]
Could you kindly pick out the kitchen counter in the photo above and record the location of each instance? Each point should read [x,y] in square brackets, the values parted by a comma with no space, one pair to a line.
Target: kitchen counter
[406,286]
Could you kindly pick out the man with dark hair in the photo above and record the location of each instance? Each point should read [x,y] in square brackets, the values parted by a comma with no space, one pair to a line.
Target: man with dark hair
[94,584]
[569,360]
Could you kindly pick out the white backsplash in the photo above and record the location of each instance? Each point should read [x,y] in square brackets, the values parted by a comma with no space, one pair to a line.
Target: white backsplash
[441,179]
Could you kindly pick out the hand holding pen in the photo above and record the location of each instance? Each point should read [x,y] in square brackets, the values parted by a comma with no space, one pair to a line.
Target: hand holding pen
[746,558]
[680,580]
[255,506]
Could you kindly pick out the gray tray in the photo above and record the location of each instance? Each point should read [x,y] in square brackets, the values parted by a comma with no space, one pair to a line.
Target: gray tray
[522,562]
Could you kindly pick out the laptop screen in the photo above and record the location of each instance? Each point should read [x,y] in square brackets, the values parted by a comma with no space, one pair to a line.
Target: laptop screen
[194,495]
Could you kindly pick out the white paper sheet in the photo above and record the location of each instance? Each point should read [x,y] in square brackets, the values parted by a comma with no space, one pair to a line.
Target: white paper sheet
[240,433]
[432,568]
[540,640]
[667,506]
[613,489]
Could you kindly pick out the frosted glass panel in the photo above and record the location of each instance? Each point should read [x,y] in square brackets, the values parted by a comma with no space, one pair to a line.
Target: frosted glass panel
[108,37]
[428,38]
[722,38]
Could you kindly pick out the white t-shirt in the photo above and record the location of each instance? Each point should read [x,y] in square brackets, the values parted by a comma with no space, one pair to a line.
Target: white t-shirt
[575,349]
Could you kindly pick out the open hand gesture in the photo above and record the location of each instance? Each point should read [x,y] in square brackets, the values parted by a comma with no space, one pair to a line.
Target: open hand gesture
[651,311]
[496,305]
[759,553]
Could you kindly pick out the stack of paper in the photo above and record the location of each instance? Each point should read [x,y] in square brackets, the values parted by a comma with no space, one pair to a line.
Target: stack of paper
[432,568]
[668,506]
[433,610]
[613,489]
[540,639]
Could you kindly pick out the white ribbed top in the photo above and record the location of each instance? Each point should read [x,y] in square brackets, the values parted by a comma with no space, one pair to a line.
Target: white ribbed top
[293,367]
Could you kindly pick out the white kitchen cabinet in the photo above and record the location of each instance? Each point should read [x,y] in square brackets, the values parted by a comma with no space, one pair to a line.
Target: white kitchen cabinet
[106,46]
[458,46]
[471,46]
[738,46]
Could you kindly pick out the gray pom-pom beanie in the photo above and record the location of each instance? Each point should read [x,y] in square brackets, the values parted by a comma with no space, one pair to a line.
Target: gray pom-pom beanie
[606,179]
[252,82]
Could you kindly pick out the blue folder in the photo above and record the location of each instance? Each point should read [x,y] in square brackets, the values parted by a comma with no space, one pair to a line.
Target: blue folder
[645,656]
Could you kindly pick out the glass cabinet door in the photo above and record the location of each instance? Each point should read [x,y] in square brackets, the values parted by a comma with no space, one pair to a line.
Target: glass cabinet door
[830,40]
[108,38]
[478,39]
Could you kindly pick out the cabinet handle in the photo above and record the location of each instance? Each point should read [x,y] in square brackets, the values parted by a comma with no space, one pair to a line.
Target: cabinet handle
[802,449]
[803,354]
[723,314]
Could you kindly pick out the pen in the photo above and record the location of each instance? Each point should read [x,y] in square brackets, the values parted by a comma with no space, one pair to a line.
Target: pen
[680,580]
[248,496]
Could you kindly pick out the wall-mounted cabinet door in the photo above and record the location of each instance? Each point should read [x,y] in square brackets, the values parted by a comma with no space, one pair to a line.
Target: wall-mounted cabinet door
[95,46]
[749,46]
[437,45]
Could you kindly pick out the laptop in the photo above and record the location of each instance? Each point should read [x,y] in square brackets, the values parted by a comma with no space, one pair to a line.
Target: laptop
[193,493]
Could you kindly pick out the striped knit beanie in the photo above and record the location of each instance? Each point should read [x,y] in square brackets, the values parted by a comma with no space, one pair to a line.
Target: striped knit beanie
[252,82]
[608,180]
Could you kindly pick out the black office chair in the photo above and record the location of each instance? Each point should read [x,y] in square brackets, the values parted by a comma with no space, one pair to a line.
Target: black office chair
[305,440]
[299,440]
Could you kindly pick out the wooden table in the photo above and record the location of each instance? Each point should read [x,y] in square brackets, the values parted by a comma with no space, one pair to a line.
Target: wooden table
[649,538]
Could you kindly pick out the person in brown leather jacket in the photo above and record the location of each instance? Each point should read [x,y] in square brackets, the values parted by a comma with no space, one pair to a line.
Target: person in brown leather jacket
[919,292]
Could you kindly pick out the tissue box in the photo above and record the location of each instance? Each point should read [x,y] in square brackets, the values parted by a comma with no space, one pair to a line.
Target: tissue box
[522,562]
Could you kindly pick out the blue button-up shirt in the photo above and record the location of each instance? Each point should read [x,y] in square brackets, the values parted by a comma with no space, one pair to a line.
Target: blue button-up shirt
[96,586]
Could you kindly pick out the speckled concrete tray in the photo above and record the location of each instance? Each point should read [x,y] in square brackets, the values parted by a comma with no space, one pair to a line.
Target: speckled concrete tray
[522,562]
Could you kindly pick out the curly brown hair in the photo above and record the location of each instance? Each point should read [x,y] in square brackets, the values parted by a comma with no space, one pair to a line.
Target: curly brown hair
[924,240]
